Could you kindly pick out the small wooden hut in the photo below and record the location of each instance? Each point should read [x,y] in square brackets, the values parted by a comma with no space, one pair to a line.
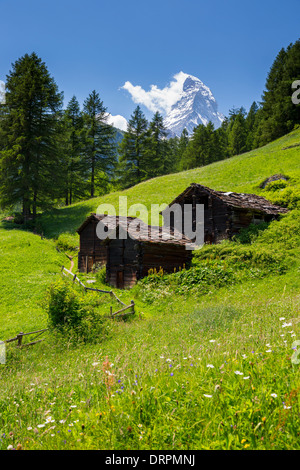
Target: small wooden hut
[92,251]
[130,249]
[225,213]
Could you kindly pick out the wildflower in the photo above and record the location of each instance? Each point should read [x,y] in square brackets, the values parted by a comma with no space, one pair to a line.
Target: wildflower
[246,446]
[207,396]
[284,325]
[210,365]
[50,420]
[243,440]
[274,395]
[140,425]
[269,350]
[10,447]
[287,407]
[40,425]
[237,372]
[171,374]
[246,378]
[282,318]
[212,340]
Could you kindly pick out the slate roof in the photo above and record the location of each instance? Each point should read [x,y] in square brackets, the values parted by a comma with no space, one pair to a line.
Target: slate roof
[232,199]
[139,230]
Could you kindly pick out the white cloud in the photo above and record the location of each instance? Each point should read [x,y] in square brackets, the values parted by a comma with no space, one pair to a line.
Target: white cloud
[157,99]
[2,91]
[117,121]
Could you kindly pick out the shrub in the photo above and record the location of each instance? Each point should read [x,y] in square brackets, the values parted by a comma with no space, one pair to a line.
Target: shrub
[67,242]
[276,185]
[288,197]
[64,305]
[101,274]
[249,235]
[75,314]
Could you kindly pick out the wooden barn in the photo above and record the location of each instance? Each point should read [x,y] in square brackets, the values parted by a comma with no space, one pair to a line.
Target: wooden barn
[130,251]
[92,251]
[225,213]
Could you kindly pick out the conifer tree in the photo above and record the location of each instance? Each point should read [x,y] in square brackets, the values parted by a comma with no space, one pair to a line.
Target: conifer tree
[156,147]
[100,148]
[132,161]
[75,168]
[29,156]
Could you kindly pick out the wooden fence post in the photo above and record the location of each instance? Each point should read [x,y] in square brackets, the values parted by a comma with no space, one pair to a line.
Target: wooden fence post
[19,337]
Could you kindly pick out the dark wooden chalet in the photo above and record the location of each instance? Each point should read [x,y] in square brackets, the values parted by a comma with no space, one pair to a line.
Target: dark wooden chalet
[130,252]
[225,213]
[92,251]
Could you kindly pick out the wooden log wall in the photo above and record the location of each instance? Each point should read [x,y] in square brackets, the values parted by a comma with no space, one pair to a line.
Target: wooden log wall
[92,250]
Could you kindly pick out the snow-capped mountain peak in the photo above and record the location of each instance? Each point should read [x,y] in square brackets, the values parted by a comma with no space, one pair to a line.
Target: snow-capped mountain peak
[195,105]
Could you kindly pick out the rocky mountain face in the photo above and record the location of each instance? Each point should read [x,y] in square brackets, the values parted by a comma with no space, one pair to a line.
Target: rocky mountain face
[196,105]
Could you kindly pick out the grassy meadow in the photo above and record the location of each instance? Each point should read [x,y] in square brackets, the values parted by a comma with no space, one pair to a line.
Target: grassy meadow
[208,361]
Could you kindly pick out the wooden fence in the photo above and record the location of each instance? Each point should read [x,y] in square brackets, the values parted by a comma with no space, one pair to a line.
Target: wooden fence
[119,313]
[19,338]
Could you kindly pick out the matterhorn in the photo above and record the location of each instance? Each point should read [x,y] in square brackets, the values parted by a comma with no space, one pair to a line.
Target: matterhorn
[195,105]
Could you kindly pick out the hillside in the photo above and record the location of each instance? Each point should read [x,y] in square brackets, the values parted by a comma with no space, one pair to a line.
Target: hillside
[242,173]
[207,362]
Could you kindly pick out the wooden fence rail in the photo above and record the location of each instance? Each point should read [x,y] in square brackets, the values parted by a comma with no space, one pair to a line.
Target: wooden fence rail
[19,338]
[66,271]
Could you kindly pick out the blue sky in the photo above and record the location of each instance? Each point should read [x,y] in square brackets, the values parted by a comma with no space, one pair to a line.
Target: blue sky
[94,44]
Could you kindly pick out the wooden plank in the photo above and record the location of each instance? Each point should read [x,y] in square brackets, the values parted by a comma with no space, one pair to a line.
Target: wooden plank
[98,290]
[123,309]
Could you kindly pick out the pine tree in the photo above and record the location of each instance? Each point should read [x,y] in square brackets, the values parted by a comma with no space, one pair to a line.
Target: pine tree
[156,147]
[100,148]
[251,125]
[132,161]
[29,126]
[278,114]
[75,167]
[194,155]
[237,136]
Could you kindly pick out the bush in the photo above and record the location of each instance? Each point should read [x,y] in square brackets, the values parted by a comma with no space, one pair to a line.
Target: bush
[67,242]
[288,197]
[75,314]
[276,185]
[64,305]
[101,274]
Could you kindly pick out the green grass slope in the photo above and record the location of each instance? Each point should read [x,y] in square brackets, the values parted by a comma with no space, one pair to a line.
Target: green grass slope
[28,265]
[207,362]
[242,173]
